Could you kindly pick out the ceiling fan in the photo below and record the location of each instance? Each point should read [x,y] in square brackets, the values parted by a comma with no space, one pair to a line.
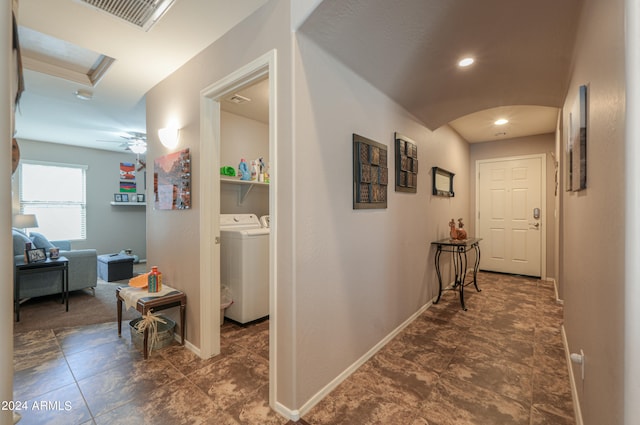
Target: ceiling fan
[134,142]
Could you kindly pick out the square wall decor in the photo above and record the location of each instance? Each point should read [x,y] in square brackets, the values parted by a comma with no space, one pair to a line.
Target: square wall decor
[406,164]
[370,173]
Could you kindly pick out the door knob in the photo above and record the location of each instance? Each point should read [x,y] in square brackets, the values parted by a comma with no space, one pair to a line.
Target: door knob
[536,225]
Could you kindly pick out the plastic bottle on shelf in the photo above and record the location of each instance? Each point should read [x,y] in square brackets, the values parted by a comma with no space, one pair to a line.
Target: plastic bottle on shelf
[154,280]
[254,170]
[243,170]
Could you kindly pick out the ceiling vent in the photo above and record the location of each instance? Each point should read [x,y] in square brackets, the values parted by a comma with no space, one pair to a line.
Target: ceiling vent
[236,98]
[141,13]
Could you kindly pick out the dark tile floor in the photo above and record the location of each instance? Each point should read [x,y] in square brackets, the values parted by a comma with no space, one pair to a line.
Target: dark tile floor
[500,362]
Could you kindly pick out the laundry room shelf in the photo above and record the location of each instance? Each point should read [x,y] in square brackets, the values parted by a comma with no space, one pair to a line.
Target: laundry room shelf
[244,185]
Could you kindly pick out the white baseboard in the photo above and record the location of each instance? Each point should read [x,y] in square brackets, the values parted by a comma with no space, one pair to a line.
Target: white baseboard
[293,415]
[555,288]
[189,346]
[574,390]
[347,372]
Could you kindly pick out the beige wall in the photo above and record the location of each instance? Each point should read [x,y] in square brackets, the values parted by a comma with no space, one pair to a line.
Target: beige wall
[540,144]
[242,137]
[359,274]
[592,221]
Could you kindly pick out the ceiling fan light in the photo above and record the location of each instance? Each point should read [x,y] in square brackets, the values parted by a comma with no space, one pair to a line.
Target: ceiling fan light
[138,148]
[169,136]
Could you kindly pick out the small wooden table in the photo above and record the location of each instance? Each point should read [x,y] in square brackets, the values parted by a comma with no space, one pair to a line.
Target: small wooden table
[152,303]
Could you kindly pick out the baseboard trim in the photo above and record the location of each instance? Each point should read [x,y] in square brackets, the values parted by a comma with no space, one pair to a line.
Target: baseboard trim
[555,288]
[315,399]
[574,389]
[293,415]
[189,346]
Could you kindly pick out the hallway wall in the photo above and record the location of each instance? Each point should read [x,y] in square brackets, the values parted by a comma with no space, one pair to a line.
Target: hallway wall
[359,274]
[592,220]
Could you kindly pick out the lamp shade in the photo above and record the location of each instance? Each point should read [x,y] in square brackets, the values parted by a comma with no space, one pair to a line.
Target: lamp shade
[169,136]
[25,221]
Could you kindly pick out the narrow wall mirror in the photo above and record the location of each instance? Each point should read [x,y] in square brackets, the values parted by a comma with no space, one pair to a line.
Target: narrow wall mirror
[442,182]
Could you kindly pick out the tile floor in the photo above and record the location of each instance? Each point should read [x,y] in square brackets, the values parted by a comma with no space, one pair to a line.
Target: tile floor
[500,362]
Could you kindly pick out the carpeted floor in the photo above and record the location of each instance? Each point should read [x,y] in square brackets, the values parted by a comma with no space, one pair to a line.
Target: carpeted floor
[84,309]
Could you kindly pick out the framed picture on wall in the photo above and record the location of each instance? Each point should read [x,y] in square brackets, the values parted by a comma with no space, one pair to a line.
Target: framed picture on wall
[406,164]
[370,173]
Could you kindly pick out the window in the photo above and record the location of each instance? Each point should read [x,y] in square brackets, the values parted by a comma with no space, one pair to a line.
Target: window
[56,194]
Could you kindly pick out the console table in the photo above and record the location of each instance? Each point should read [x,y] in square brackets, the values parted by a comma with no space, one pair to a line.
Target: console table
[459,248]
[60,264]
[149,302]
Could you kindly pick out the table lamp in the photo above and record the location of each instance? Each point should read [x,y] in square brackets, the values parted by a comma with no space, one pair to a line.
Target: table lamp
[25,221]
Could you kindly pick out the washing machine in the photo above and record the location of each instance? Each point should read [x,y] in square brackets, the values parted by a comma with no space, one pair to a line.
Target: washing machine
[265,221]
[244,266]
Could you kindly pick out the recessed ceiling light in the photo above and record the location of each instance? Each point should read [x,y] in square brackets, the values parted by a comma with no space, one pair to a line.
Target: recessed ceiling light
[83,94]
[501,121]
[465,62]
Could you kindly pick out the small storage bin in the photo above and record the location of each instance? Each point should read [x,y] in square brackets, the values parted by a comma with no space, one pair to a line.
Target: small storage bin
[165,333]
[115,267]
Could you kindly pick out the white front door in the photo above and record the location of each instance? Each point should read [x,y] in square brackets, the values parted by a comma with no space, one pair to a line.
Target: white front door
[510,214]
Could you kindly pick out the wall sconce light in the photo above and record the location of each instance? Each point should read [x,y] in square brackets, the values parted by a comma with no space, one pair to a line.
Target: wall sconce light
[169,136]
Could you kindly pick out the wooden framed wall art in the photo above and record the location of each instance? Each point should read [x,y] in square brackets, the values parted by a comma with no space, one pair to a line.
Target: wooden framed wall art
[370,173]
[406,164]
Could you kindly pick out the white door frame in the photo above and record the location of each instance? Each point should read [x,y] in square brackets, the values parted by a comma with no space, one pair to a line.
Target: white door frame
[543,206]
[210,206]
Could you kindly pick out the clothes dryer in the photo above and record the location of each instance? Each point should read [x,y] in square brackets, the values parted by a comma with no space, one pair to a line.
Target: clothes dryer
[244,266]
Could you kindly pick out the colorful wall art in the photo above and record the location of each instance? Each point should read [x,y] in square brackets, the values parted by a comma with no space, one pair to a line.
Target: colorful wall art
[172,181]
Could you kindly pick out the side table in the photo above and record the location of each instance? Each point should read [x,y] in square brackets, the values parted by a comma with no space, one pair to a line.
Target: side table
[459,248]
[151,303]
[60,264]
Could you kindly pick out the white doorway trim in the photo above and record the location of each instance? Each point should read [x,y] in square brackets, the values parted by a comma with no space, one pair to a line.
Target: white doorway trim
[543,195]
[209,194]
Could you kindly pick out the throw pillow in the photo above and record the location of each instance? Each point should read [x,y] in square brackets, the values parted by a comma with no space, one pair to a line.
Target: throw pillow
[40,241]
[19,241]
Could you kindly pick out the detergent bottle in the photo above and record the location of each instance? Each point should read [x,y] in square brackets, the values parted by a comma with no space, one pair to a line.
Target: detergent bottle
[243,170]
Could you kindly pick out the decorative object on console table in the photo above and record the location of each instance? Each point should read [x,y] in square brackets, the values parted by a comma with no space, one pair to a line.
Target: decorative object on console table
[117,197]
[406,164]
[457,234]
[172,181]
[370,173]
